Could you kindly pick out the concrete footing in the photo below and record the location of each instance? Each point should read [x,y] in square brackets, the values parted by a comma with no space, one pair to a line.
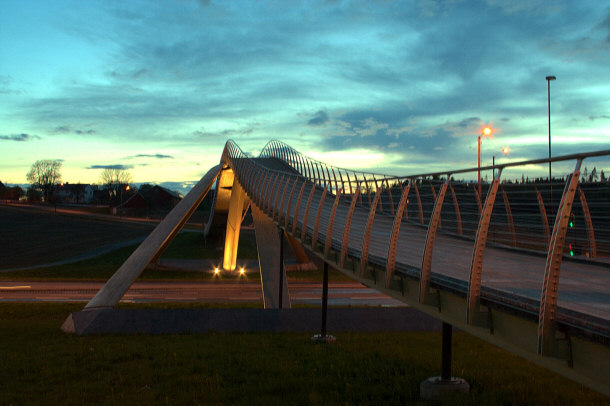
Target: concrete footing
[323,339]
[176,321]
[437,387]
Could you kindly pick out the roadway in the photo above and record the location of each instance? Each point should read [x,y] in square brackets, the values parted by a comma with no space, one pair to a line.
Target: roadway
[340,293]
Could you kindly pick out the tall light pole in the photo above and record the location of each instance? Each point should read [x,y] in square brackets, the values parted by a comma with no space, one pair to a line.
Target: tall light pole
[548,81]
[486,132]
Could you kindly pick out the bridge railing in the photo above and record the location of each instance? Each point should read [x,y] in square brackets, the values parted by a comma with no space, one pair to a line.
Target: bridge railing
[524,210]
[537,217]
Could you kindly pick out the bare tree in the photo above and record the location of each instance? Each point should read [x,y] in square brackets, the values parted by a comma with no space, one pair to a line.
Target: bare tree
[44,174]
[113,178]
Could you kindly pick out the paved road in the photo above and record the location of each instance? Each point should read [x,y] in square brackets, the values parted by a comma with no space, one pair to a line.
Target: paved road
[340,293]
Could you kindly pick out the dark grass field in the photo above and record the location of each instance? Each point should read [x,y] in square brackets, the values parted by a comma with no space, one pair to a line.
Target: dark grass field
[40,365]
[30,237]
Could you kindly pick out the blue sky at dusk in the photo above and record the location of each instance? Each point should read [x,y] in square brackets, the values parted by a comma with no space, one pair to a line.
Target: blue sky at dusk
[389,86]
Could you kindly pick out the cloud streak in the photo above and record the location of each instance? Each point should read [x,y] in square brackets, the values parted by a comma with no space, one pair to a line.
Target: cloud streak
[19,137]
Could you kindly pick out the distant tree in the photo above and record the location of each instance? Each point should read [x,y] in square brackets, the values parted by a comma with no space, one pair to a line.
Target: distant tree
[593,176]
[113,178]
[585,175]
[602,176]
[43,176]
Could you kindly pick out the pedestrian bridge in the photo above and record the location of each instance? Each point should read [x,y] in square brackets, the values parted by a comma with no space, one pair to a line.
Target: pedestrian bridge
[522,264]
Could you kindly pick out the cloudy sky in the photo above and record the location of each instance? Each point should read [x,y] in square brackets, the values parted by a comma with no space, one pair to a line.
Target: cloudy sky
[391,86]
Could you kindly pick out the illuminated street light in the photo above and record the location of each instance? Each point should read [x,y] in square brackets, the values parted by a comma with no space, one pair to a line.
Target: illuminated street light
[242,271]
[486,133]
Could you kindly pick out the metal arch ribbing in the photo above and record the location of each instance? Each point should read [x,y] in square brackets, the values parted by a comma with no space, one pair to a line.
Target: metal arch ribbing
[348,224]
[419,205]
[281,200]
[543,216]
[294,185]
[335,178]
[509,217]
[588,223]
[316,226]
[433,225]
[391,261]
[331,221]
[269,190]
[269,198]
[295,219]
[329,179]
[550,285]
[366,185]
[276,197]
[387,183]
[358,186]
[265,185]
[319,180]
[477,195]
[304,228]
[281,211]
[476,265]
[310,173]
[458,216]
[406,210]
[364,256]
[377,188]
[349,182]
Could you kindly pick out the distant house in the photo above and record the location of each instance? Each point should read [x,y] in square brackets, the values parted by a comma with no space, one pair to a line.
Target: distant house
[75,193]
[150,200]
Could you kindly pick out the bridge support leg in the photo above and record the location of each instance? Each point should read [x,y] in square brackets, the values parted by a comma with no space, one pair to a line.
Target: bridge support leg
[437,386]
[323,337]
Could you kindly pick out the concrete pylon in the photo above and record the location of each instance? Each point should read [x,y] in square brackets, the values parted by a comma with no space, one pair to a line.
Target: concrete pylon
[236,209]
[268,247]
[154,245]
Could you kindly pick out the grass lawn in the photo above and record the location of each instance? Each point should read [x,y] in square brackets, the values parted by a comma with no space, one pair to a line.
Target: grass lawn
[42,365]
[186,245]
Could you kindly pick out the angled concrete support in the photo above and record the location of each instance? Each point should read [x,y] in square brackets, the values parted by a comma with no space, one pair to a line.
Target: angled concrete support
[153,245]
[268,246]
[236,209]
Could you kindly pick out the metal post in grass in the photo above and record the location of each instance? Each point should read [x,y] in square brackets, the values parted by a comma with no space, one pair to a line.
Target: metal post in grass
[437,386]
[323,337]
[281,284]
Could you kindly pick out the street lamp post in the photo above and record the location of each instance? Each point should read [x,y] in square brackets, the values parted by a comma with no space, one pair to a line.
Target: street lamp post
[548,81]
[121,207]
[486,132]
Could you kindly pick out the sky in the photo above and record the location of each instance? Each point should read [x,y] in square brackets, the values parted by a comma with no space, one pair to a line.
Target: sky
[397,87]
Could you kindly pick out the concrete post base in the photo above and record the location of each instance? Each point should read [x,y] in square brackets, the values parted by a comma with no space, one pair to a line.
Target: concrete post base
[436,387]
[323,339]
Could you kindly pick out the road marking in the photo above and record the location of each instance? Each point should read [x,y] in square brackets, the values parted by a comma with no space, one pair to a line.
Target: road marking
[14,287]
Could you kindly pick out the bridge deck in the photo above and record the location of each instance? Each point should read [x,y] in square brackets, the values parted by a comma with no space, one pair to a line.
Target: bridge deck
[510,278]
